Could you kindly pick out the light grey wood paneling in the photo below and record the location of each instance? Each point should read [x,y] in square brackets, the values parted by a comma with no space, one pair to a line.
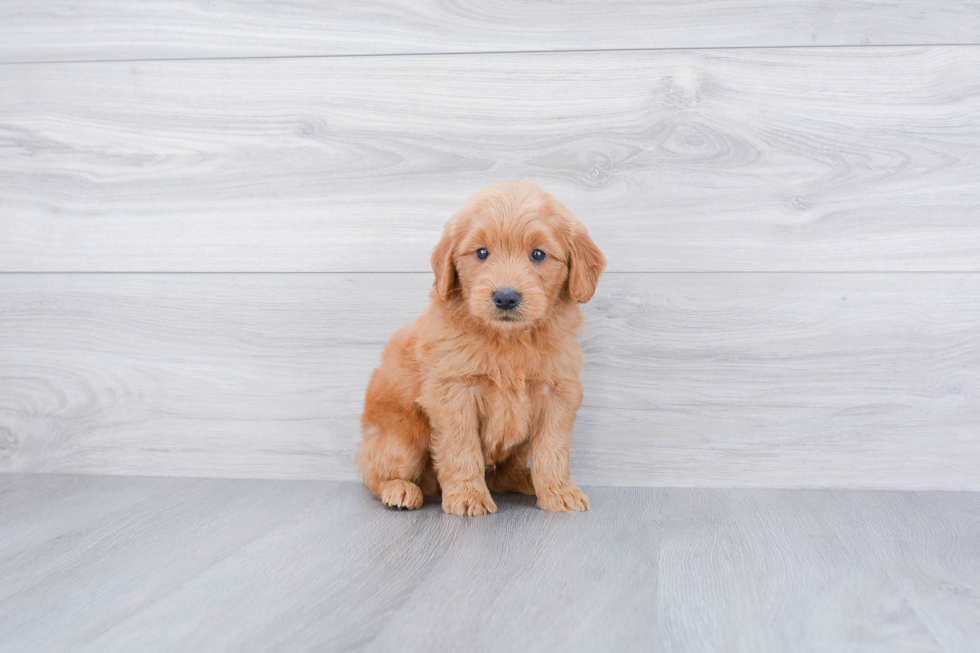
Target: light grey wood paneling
[113,29]
[71,503]
[819,571]
[792,380]
[813,159]
[67,589]
[222,565]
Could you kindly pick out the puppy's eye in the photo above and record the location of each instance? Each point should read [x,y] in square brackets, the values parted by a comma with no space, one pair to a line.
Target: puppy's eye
[537,256]
[482,253]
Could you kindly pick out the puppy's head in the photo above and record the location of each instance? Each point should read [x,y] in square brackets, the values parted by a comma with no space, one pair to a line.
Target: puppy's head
[513,254]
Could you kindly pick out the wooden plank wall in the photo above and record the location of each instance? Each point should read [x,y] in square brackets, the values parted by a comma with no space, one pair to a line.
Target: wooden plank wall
[57,30]
[213,216]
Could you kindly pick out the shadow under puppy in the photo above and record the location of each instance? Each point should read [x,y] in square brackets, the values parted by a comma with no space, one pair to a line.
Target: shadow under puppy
[488,377]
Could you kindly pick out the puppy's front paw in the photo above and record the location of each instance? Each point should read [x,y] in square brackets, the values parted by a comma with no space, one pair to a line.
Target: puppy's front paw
[470,501]
[566,498]
[401,494]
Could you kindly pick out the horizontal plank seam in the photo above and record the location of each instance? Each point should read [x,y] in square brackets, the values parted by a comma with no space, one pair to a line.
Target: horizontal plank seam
[418,272]
[491,52]
[869,489]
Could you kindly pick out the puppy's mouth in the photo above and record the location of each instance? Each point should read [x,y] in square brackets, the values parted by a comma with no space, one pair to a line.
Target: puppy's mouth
[508,317]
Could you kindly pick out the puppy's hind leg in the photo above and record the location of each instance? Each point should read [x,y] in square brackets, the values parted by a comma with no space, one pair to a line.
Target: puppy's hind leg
[392,461]
[512,475]
[429,483]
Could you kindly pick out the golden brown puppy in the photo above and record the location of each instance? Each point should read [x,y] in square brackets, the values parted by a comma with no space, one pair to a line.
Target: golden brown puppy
[488,377]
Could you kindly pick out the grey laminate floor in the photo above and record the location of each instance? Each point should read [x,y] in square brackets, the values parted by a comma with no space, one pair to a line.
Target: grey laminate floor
[133,564]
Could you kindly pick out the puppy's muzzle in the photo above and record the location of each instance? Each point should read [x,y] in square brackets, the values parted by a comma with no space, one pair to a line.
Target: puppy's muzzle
[506,299]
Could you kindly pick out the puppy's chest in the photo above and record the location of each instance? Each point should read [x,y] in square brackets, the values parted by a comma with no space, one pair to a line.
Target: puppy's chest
[512,394]
[508,412]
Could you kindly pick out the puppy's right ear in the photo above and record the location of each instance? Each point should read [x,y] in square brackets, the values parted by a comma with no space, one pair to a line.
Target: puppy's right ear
[442,262]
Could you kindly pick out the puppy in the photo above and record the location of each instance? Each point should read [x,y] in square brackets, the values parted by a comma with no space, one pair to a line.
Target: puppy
[488,377]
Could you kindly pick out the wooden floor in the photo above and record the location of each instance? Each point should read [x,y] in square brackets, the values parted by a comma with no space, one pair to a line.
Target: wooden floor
[96,563]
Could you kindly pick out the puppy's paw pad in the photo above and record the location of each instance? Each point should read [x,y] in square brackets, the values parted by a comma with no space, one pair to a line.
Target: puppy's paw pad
[401,494]
[470,502]
[565,499]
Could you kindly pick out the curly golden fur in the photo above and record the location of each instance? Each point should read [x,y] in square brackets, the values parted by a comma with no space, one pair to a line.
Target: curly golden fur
[476,387]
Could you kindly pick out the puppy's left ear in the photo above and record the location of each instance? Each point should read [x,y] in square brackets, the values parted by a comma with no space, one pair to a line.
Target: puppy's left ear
[585,264]
[442,262]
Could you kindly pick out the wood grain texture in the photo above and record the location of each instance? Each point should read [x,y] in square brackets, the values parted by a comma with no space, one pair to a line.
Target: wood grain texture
[69,588]
[841,571]
[226,565]
[815,159]
[752,380]
[72,502]
[111,29]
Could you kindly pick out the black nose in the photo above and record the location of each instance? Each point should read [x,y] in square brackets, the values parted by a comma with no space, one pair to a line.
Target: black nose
[506,299]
